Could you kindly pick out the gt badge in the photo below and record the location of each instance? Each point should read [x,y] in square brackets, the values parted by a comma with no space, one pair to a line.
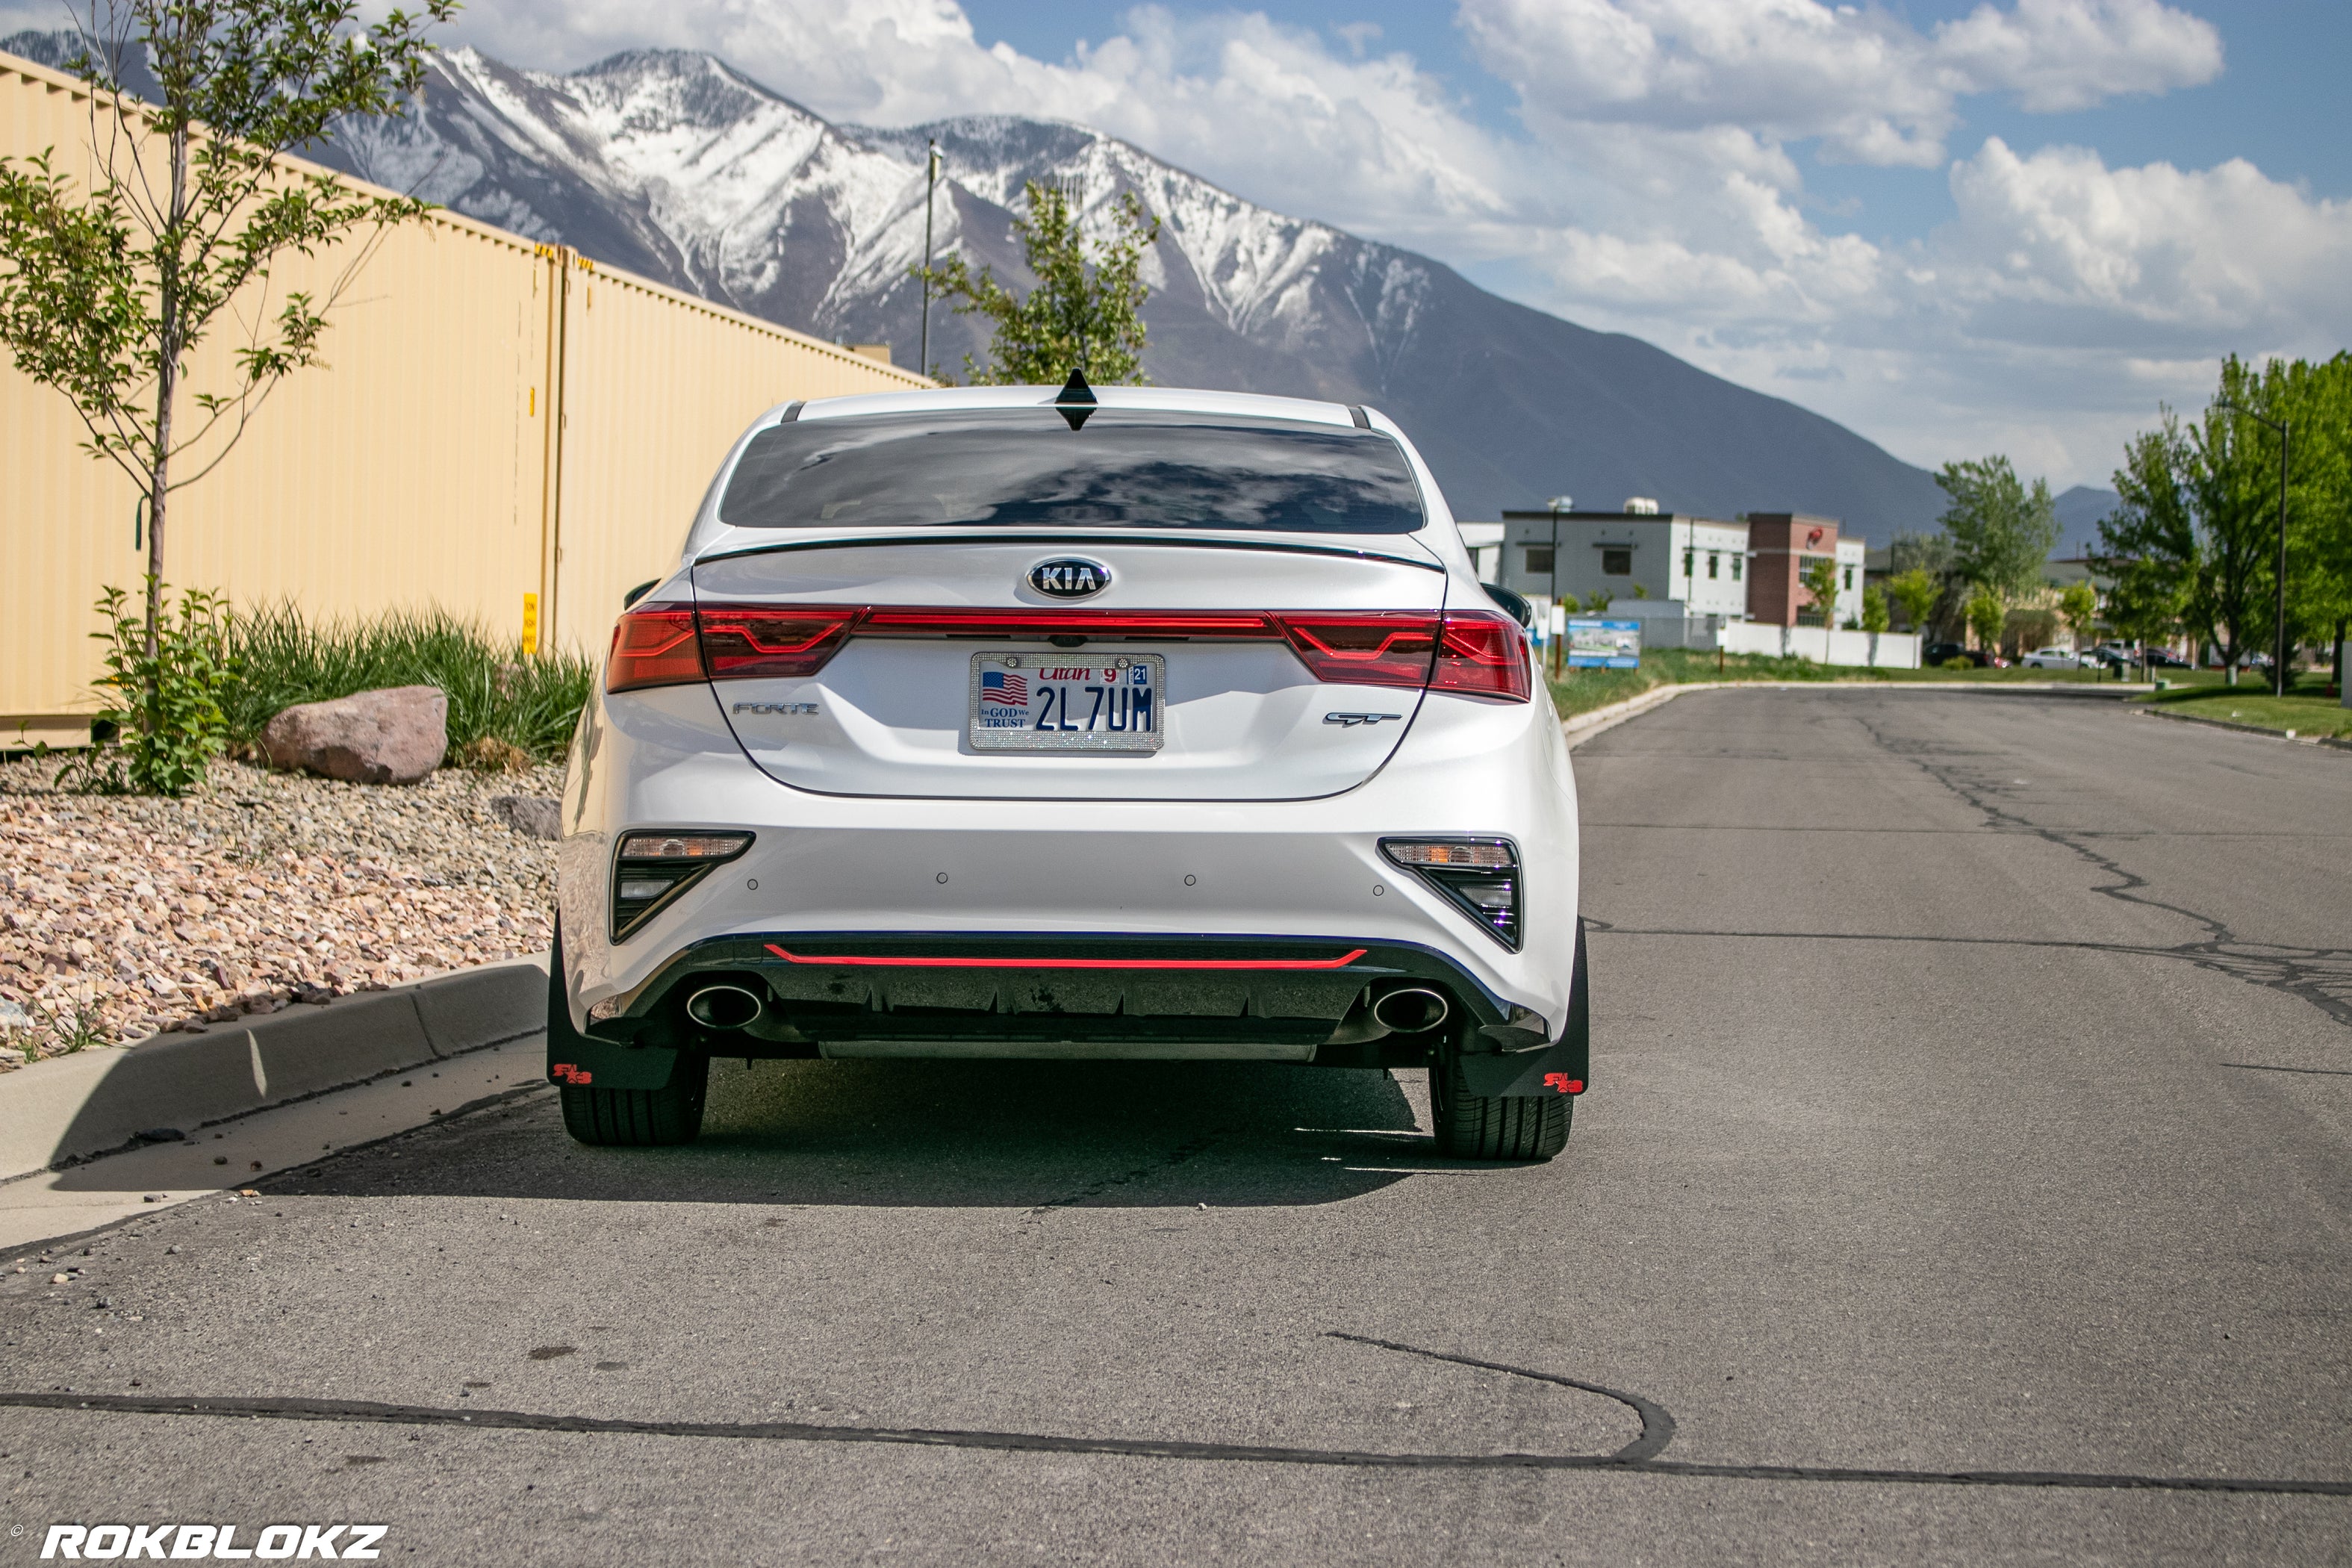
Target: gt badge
[1349,721]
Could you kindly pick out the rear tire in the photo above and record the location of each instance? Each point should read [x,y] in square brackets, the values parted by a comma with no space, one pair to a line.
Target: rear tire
[622,1118]
[639,1118]
[1494,1127]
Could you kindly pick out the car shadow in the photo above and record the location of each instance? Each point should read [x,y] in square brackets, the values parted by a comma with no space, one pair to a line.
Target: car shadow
[1003,1134]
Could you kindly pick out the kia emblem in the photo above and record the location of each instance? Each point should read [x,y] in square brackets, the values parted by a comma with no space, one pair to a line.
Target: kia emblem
[1069,578]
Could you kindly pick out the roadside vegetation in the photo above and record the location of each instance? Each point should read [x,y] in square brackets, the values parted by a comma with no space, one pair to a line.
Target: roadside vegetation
[120,258]
[505,711]
[1086,313]
[2306,712]
[1582,691]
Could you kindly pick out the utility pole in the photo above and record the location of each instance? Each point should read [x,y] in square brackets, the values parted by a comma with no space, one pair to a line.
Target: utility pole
[930,184]
[2278,645]
[1557,638]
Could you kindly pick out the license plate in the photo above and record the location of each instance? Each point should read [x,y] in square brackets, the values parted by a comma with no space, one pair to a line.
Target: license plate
[1035,703]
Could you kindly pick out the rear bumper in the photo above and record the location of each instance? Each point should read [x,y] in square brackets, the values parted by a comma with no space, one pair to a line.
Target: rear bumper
[823,989]
[1056,996]
[860,869]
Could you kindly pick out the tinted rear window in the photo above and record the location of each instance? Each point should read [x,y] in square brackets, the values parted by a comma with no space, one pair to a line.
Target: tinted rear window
[1026,467]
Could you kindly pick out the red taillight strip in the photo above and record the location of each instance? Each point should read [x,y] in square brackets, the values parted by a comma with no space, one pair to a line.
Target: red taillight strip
[907,621]
[869,961]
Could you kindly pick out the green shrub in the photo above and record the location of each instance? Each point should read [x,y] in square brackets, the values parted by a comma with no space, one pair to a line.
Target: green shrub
[166,707]
[499,702]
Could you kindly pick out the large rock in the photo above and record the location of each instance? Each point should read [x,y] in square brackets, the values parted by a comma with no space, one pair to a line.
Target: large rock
[397,735]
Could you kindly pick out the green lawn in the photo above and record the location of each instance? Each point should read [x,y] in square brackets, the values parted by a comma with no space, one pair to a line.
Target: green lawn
[2305,712]
[2197,691]
[1582,691]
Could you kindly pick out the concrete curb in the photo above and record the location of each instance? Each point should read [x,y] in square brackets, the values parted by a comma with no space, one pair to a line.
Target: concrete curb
[69,1109]
[1584,726]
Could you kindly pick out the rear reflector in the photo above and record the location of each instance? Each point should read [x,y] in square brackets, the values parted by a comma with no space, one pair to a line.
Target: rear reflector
[864,961]
[1478,875]
[651,868]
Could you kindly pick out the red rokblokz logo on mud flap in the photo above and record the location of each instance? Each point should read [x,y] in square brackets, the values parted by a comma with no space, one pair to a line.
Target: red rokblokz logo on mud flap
[212,1542]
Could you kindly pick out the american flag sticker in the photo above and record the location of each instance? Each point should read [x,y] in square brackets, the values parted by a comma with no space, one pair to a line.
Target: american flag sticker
[1003,686]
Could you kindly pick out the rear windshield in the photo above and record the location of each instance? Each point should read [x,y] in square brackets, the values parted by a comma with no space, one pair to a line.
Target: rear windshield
[1026,467]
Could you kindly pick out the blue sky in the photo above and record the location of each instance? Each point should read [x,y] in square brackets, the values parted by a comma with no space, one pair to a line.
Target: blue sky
[1958,227]
[2278,103]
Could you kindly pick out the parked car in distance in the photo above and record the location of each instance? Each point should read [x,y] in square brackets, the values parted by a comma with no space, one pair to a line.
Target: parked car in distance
[2165,658]
[2053,658]
[1941,655]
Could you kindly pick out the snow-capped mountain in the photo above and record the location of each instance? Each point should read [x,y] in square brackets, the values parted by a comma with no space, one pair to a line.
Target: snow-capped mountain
[676,166]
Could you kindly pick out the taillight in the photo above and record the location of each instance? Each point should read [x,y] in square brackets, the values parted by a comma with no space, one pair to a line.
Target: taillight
[1364,647]
[1484,655]
[659,645]
[653,644]
[750,642]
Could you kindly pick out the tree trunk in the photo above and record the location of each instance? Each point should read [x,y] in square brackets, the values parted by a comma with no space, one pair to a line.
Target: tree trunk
[167,379]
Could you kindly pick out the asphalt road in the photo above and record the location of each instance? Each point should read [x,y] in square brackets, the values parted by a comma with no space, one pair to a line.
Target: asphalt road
[1973,1093]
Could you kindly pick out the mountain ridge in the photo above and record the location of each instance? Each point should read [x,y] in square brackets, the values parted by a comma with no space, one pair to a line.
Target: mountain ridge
[673,164]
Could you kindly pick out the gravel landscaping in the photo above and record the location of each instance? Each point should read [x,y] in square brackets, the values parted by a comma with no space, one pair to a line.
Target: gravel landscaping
[124,917]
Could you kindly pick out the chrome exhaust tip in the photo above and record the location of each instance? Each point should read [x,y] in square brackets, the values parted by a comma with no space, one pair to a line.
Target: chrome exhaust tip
[724,1007]
[1412,1009]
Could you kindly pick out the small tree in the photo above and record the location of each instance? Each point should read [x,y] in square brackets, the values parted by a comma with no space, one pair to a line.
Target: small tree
[2001,531]
[2078,606]
[1086,311]
[1819,579]
[105,292]
[1918,594]
[1986,615]
[1597,602]
[1876,617]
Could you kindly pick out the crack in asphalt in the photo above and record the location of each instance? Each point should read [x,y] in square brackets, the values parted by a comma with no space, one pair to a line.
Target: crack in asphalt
[1636,1459]
[1177,1156]
[1658,1427]
[2320,976]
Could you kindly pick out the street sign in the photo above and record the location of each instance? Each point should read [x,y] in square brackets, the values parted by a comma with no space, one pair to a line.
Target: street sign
[1604,645]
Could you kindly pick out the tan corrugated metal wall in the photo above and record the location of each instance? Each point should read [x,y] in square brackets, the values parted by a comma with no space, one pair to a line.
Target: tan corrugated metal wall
[495,418]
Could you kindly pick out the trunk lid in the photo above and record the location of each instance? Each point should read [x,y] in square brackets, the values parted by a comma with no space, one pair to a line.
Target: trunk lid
[931,639]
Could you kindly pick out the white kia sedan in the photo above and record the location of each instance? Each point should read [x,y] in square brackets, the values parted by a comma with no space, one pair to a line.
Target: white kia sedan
[1014,722]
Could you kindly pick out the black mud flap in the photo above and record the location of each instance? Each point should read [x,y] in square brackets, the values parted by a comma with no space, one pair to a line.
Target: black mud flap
[574,1058]
[1564,1066]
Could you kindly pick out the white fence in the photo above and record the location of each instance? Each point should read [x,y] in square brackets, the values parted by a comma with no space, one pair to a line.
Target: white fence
[1891,650]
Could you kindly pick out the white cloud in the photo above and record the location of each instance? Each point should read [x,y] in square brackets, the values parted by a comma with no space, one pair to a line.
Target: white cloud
[1871,88]
[2070,54]
[1657,185]
[2187,254]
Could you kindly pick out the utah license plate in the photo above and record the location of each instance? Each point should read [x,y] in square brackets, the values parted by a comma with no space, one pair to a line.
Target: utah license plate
[1034,702]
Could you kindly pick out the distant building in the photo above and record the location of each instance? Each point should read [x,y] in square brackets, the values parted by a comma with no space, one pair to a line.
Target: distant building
[1783,544]
[1697,561]
[1735,570]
